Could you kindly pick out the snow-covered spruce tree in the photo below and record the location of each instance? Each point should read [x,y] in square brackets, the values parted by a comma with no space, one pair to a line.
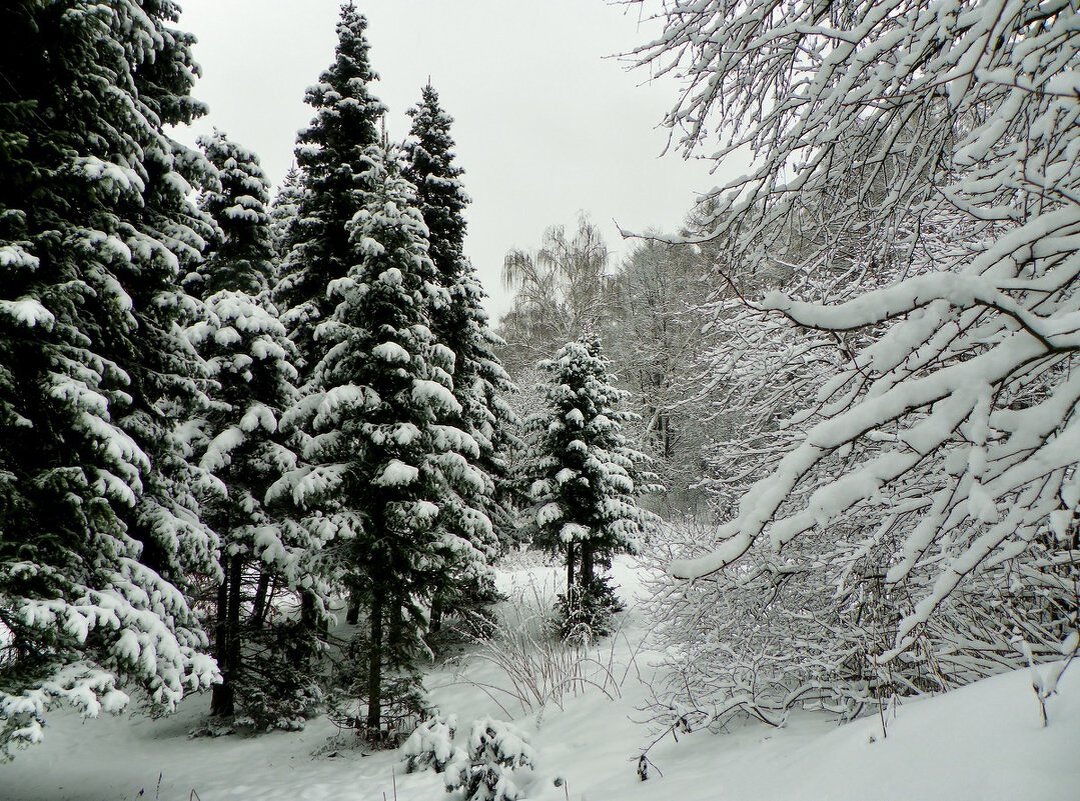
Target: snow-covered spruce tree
[333,155]
[250,359]
[284,211]
[935,470]
[387,471]
[480,383]
[499,761]
[99,529]
[586,478]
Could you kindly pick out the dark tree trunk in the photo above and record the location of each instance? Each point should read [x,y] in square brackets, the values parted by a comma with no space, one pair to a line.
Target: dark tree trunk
[587,570]
[352,614]
[221,697]
[232,654]
[309,616]
[375,659]
[258,610]
[395,627]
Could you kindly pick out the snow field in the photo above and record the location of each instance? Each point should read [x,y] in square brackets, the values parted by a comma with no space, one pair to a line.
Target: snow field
[980,743]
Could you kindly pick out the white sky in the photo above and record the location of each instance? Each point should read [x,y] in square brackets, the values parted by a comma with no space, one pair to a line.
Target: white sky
[546,125]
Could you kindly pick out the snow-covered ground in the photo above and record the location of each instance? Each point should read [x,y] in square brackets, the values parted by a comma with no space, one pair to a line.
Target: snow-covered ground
[980,743]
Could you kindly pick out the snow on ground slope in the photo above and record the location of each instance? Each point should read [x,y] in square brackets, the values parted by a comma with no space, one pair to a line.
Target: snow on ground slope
[981,743]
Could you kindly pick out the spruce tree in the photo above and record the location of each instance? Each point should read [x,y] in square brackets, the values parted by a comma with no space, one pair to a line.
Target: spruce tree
[284,212]
[250,359]
[586,477]
[480,383]
[99,527]
[334,155]
[388,471]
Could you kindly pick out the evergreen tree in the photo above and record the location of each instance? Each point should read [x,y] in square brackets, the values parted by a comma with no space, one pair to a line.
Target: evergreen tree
[99,527]
[251,361]
[284,212]
[334,154]
[389,473]
[480,382]
[586,477]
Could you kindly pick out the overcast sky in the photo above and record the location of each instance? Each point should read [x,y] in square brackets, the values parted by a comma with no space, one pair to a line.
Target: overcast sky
[546,125]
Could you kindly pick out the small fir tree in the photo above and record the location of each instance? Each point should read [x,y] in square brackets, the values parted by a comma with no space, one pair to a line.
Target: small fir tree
[499,762]
[586,478]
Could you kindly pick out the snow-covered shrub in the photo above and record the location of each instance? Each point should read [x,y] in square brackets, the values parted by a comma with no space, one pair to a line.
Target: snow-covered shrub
[277,687]
[498,760]
[431,745]
[901,512]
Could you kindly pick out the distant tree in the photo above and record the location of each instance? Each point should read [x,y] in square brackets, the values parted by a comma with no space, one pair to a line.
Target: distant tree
[251,362]
[654,332]
[586,476]
[389,473]
[100,534]
[284,212]
[559,290]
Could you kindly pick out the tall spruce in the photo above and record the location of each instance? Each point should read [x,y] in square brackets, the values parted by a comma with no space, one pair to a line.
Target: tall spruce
[480,382]
[99,527]
[334,154]
[250,359]
[387,468]
[587,477]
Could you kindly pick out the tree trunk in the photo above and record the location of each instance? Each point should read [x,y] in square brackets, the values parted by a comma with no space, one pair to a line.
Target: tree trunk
[395,641]
[258,610]
[569,569]
[435,624]
[232,653]
[586,574]
[221,696]
[375,658]
[352,614]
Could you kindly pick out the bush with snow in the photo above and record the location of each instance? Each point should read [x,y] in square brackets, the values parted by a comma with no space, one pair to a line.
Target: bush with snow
[496,765]
[902,514]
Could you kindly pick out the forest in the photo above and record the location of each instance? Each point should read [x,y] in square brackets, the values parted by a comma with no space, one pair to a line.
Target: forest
[781,504]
